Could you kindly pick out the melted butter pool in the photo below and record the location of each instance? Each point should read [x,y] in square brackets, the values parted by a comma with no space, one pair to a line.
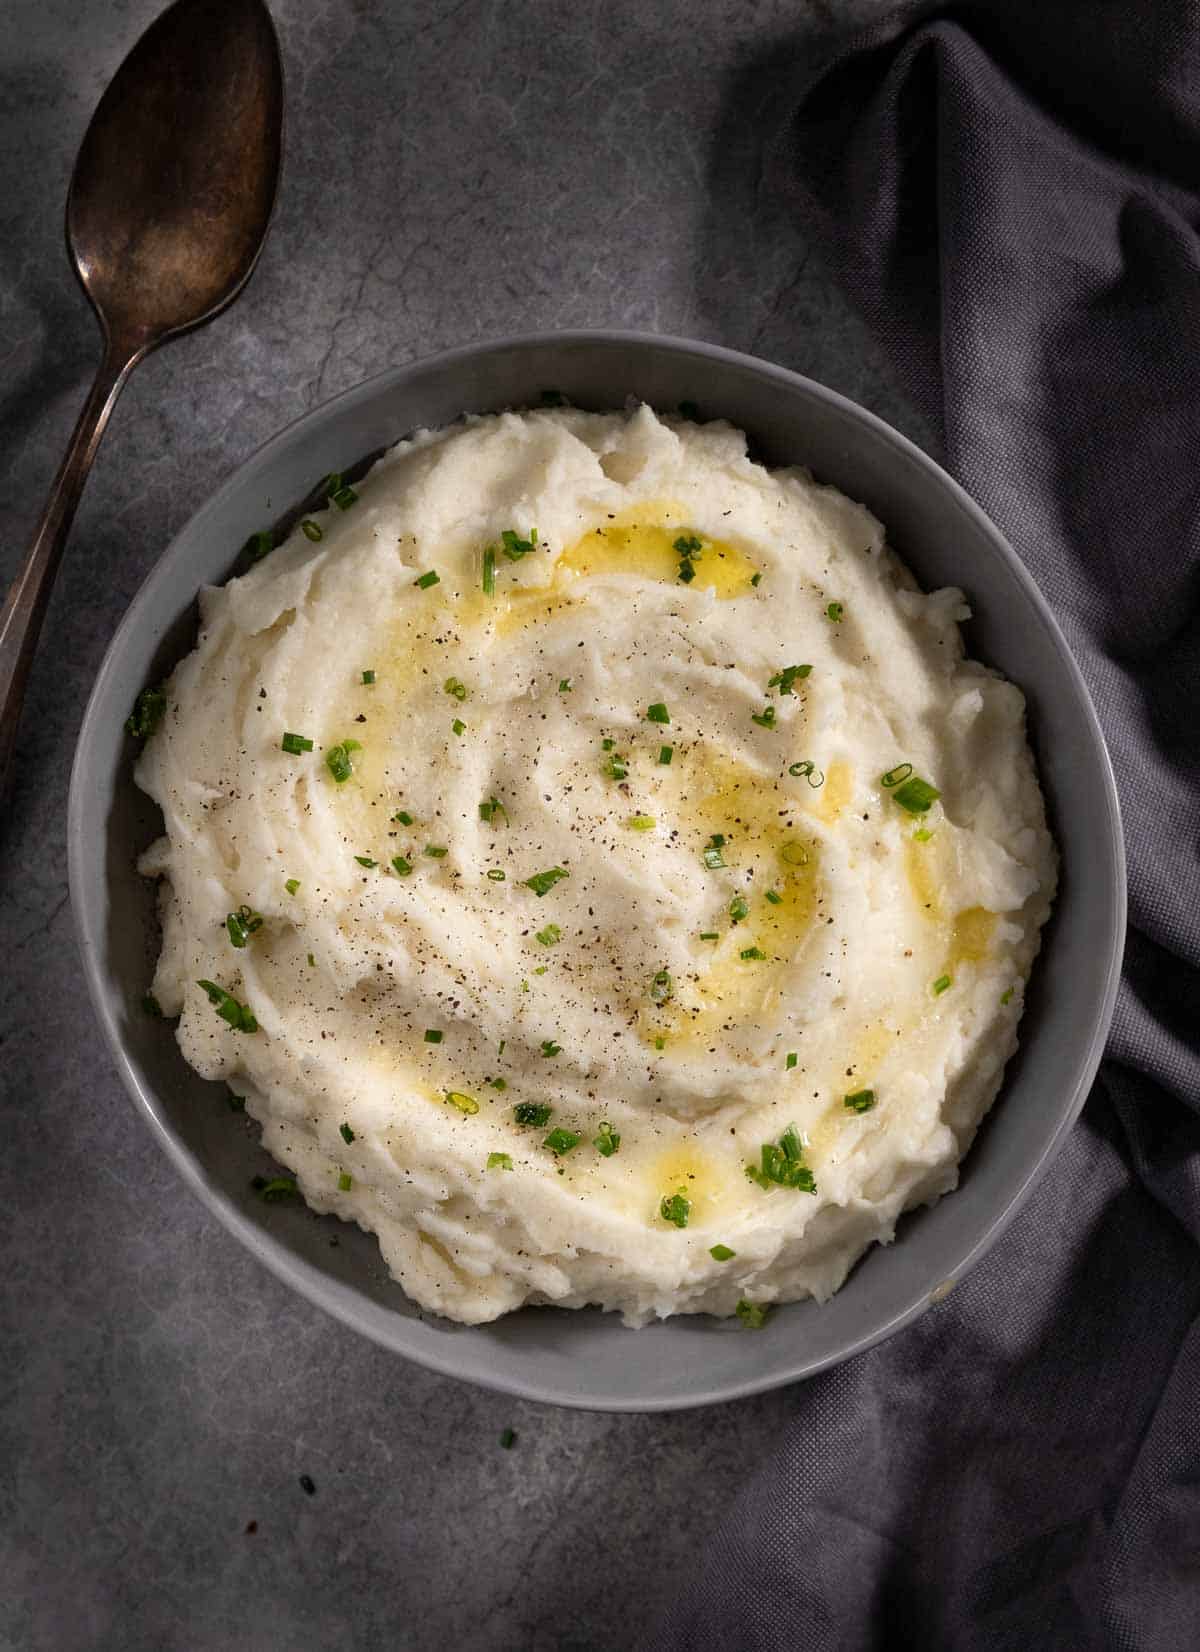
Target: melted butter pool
[765,850]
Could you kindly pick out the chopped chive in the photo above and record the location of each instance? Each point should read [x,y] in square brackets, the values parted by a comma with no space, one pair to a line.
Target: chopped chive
[781,1165]
[641,823]
[688,545]
[489,571]
[662,988]
[492,810]
[753,1315]
[259,545]
[561,1141]
[499,1161]
[893,777]
[427,580]
[432,1036]
[436,851]
[291,885]
[941,985]
[607,745]
[550,936]
[312,962]
[542,882]
[660,1043]
[458,726]
[237,1104]
[791,1060]
[658,713]
[564,686]
[242,924]
[312,530]
[464,1103]
[666,753]
[401,866]
[755,578]
[753,954]
[515,547]
[1006,996]
[834,611]
[338,760]
[496,874]
[676,1208]
[153,1008]
[295,744]
[346,1133]
[498,1083]
[809,771]
[712,855]
[532,1112]
[922,834]
[455,687]
[615,767]
[550,1048]
[709,935]
[345,1180]
[607,1141]
[147,713]
[275,1189]
[861,1101]
[365,860]
[739,908]
[775,898]
[239,1016]
[508,1437]
[343,495]
[403,816]
[764,718]
[794,853]
[721,1253]
[916,795]
[785,679]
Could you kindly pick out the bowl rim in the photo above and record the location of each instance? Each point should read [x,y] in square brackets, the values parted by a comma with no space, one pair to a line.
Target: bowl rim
[275,1253]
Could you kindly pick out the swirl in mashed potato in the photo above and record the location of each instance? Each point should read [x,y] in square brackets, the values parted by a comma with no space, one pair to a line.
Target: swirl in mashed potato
[590,888]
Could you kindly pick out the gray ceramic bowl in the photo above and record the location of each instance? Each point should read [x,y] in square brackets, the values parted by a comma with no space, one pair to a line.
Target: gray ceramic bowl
[589,1359]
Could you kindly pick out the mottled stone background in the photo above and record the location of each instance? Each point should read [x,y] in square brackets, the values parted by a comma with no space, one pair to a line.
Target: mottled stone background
[454,172]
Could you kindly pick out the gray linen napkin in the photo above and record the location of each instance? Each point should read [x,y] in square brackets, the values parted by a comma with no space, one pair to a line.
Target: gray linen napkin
[1010,190]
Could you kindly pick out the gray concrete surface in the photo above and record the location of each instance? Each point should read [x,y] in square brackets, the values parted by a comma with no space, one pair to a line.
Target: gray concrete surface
[454,171]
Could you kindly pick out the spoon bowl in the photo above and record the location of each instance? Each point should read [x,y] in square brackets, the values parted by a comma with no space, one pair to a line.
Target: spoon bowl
[167,213]
[175,182]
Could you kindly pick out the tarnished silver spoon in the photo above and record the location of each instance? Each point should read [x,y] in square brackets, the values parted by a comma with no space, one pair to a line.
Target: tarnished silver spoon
[168,209]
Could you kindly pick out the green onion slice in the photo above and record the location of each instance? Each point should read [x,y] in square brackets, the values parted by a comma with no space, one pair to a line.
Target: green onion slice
[676,1208]
[608,1140]
[532,1112]
[147,714]
[239,1016]
[542,882]
[753,1315]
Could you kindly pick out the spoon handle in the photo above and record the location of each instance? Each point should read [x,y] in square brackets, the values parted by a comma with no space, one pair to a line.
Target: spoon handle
[25,606]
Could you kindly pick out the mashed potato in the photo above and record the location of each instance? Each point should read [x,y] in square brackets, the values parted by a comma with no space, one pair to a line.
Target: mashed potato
[647,921]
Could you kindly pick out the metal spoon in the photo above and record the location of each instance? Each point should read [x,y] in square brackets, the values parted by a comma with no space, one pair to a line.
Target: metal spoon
[167,213]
